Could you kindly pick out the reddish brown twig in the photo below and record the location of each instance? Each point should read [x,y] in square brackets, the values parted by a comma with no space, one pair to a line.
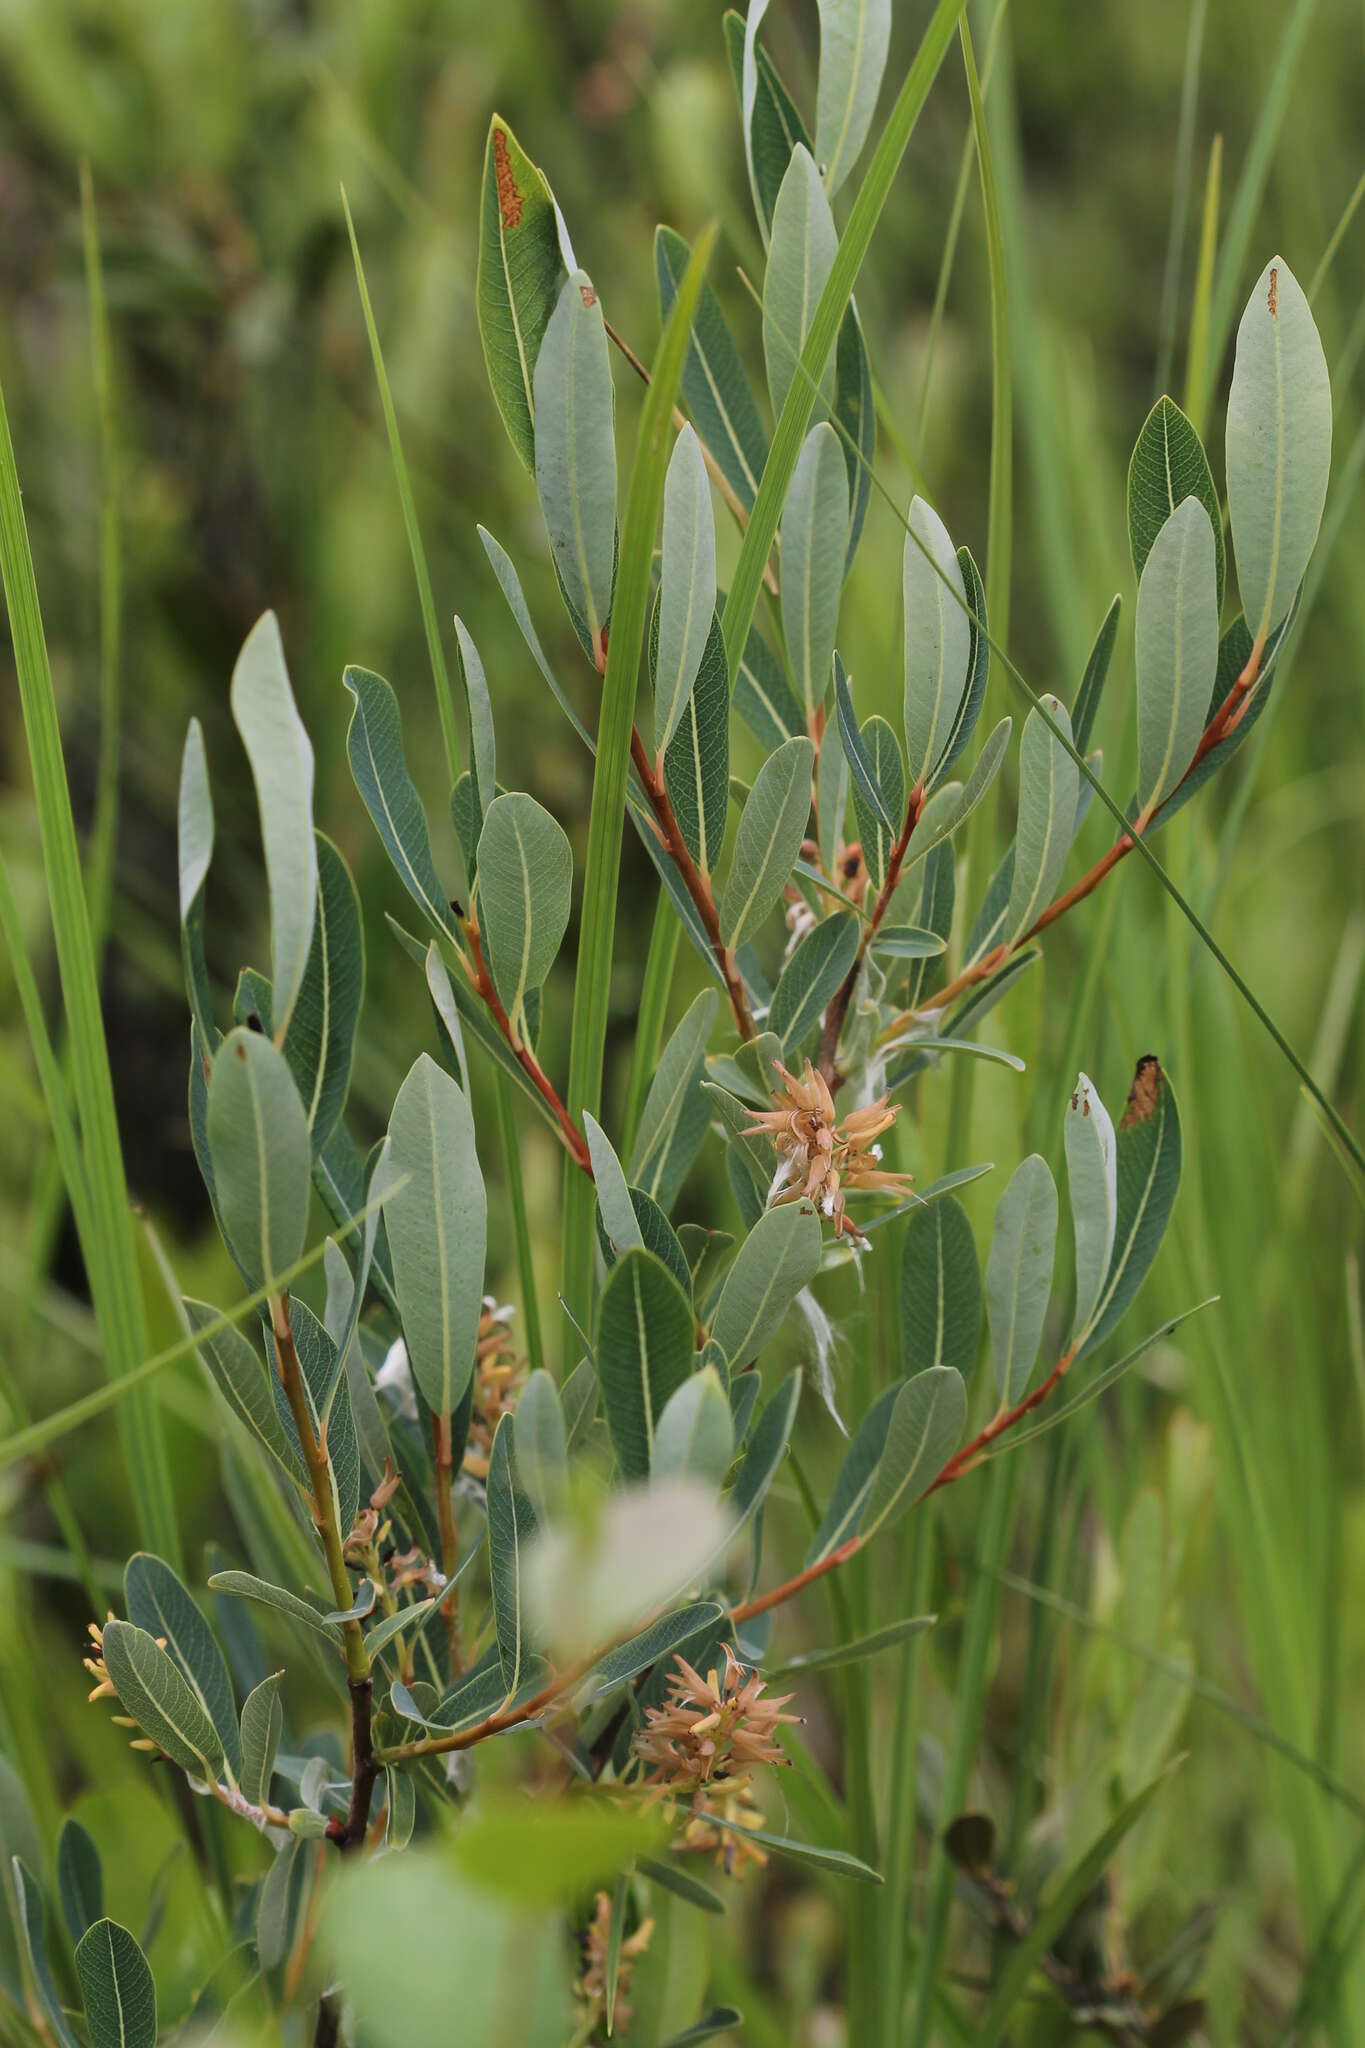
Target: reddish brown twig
[450,1542]
[698,888]
[843,996]
[574,1141]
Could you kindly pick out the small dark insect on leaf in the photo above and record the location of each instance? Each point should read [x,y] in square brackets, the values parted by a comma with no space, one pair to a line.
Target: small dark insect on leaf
[457,907]
[253,1023]
[1145,1093]
[970,1841]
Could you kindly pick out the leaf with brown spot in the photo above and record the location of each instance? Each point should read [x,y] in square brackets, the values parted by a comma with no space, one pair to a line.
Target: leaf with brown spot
[519,278]
[1145,1092]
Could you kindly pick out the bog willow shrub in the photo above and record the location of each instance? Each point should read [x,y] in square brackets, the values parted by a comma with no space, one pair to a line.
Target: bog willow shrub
[492,1548]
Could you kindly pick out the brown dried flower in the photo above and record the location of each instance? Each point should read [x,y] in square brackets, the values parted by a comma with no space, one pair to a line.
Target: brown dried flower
[592,1985]
[499,1376]
[820,1157]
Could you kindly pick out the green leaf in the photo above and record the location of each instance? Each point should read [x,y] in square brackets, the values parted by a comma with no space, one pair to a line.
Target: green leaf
[978,664]
[771,829]
[764,698]
[881,750]
[437,1223]
[511,1524]
[510,584]
[908,942]
[575,454]
[938,642]
[383,1632]
[779,1257]
[854,35]
[855,409]
[117,1988]
[940,1289]
[158,1603]
[814,533]
[246,1586]
[815,971]
[687,584]
[767,1447]
[18,1841]
[1168,466]
[80,1878]
[194,853]
[152,1690]
[1053,1418]
[857,1651]
[657,1235]
[1056,1915]
[346,1298]
[1096,670]
[772,122]
[262,1159]
[613,1195]
[525,888]
[695,1436]
[831,797]
[714,384]
[242,1380]
[924,1429]
[1019,1274]
[262,1726]
[30,1899]
[646,1348]
[723,2019]
[1147,1147]
[320,1042]
[669,1632]
[868,797]
[675,1114]
[952,803]
[483,753]
[846,1503]
[1177,651]
[281,757]
[1092,1174]
[683,1885]
[837,1862]
[278,1903]
[542,1443]
[800,256]
[1048,784]
[1279,446]
[697,764]
[578,1396]
[519,278]
[374,747]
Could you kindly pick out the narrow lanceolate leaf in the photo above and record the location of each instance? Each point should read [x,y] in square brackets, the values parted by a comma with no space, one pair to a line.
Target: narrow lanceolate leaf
[646,1348]
[1048,782]
[525,885]
[241,1379]
[831,797]
[158,1602]
[697,764]
[262,1160]
[811,977]
[483,752]
[940,1289]
[1147,1147]
[695,1435]
[771,121]
[542,1443]
[866,783]
[519,278]
[1092,1176]
[938,641]
[320,1042]
[844,1513]
[663,1635]
[952,803]
[374,746]
[277,1903]
[1092,682]
[1279,446]
[245,1586]
[29,1895]
[117,1988]
[437,1222]
[882,753]
[1177,650]
[281,759]
[978,664]
[262,1726]
[613,1194]
[1019,1274]
[771,829]
[675,1114]
[779,1257]
[854,35]
[715,386]
[814,530]
[195,850]
[687,584]
[768,1442]
[1169,465]
[855,409]
[575,453]
[511,1524]
[80,1878]
[924,1429]
[152,1691]
[857,1651]
[800,257]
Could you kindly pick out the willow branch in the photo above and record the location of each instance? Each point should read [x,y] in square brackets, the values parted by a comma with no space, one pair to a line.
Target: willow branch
[450,1541]
[575,1144]
[838,1008]
[698,888]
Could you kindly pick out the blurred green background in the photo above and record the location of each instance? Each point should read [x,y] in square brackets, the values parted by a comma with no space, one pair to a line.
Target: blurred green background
[253,471]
